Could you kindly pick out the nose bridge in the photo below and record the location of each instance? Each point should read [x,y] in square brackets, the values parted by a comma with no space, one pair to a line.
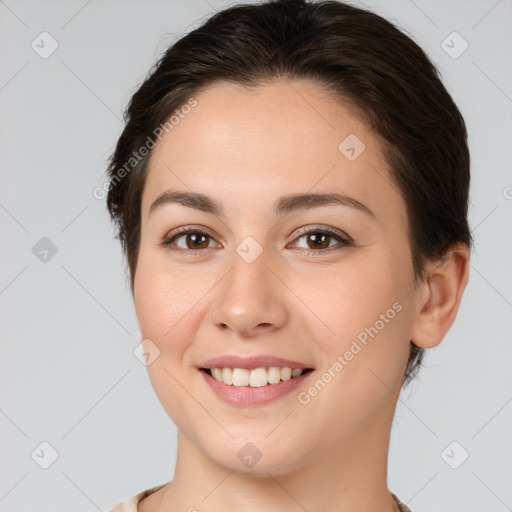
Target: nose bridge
[249,299]
[249,271]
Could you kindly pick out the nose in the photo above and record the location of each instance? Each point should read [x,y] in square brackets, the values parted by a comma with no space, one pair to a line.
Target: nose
[250,300]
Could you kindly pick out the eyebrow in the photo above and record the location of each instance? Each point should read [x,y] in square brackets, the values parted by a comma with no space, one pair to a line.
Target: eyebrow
[284,205]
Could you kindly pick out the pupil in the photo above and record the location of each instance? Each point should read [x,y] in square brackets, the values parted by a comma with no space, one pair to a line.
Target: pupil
[320,239]
[195,237]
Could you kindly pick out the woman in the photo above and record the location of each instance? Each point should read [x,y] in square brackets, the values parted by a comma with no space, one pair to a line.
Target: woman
[291,193]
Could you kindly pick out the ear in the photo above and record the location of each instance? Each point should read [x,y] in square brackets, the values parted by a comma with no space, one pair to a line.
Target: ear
[439,297]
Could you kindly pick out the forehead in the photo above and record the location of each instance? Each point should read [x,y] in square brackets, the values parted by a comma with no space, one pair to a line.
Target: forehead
[279,120]
[252,145]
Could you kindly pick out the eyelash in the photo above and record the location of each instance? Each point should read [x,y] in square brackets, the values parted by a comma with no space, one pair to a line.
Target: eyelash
[344,242]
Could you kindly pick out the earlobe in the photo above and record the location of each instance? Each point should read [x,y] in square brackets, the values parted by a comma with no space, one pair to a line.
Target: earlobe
[439,297]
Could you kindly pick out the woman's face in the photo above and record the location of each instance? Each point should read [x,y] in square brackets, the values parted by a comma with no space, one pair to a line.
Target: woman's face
[272,275]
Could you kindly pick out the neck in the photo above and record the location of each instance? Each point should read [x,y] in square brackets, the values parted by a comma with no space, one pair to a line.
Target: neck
[351,475]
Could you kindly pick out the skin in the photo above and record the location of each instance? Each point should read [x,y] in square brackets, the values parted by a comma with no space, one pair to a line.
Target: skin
[246,149]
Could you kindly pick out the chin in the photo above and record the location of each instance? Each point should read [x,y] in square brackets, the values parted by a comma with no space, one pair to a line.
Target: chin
[256,454]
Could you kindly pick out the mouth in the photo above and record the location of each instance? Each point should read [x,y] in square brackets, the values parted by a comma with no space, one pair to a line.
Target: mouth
[256,377]
[255,380]
[241,387]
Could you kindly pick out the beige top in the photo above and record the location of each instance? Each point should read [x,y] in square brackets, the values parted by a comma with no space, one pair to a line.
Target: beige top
[131,504]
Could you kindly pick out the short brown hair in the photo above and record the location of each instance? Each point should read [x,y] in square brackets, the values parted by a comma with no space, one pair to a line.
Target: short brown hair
[359,56]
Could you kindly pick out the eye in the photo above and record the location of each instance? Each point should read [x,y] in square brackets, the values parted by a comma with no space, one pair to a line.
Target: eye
[194,240]
[318,240]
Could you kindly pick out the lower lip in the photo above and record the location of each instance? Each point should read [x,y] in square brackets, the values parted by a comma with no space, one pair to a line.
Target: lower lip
[246,395]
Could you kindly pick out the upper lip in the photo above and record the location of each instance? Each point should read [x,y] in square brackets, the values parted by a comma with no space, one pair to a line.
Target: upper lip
[250,363]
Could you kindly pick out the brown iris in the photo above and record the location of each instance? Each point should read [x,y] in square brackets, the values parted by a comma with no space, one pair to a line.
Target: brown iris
[319,238]
[197,240]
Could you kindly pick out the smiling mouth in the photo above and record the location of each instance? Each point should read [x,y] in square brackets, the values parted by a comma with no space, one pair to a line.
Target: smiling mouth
[257,377]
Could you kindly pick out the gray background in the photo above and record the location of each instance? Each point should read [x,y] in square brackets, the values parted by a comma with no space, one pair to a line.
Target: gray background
[68,373]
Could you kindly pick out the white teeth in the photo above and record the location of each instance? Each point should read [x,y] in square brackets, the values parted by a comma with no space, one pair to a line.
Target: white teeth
[255,378]
[274,375]
[258,378]
[286,373]
[227,376]
[240,377]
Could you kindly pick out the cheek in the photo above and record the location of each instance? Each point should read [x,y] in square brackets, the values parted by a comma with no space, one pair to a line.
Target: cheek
[162,299]
[350,297]
[364,305]
[364,314]
[163,304]
[152,303]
